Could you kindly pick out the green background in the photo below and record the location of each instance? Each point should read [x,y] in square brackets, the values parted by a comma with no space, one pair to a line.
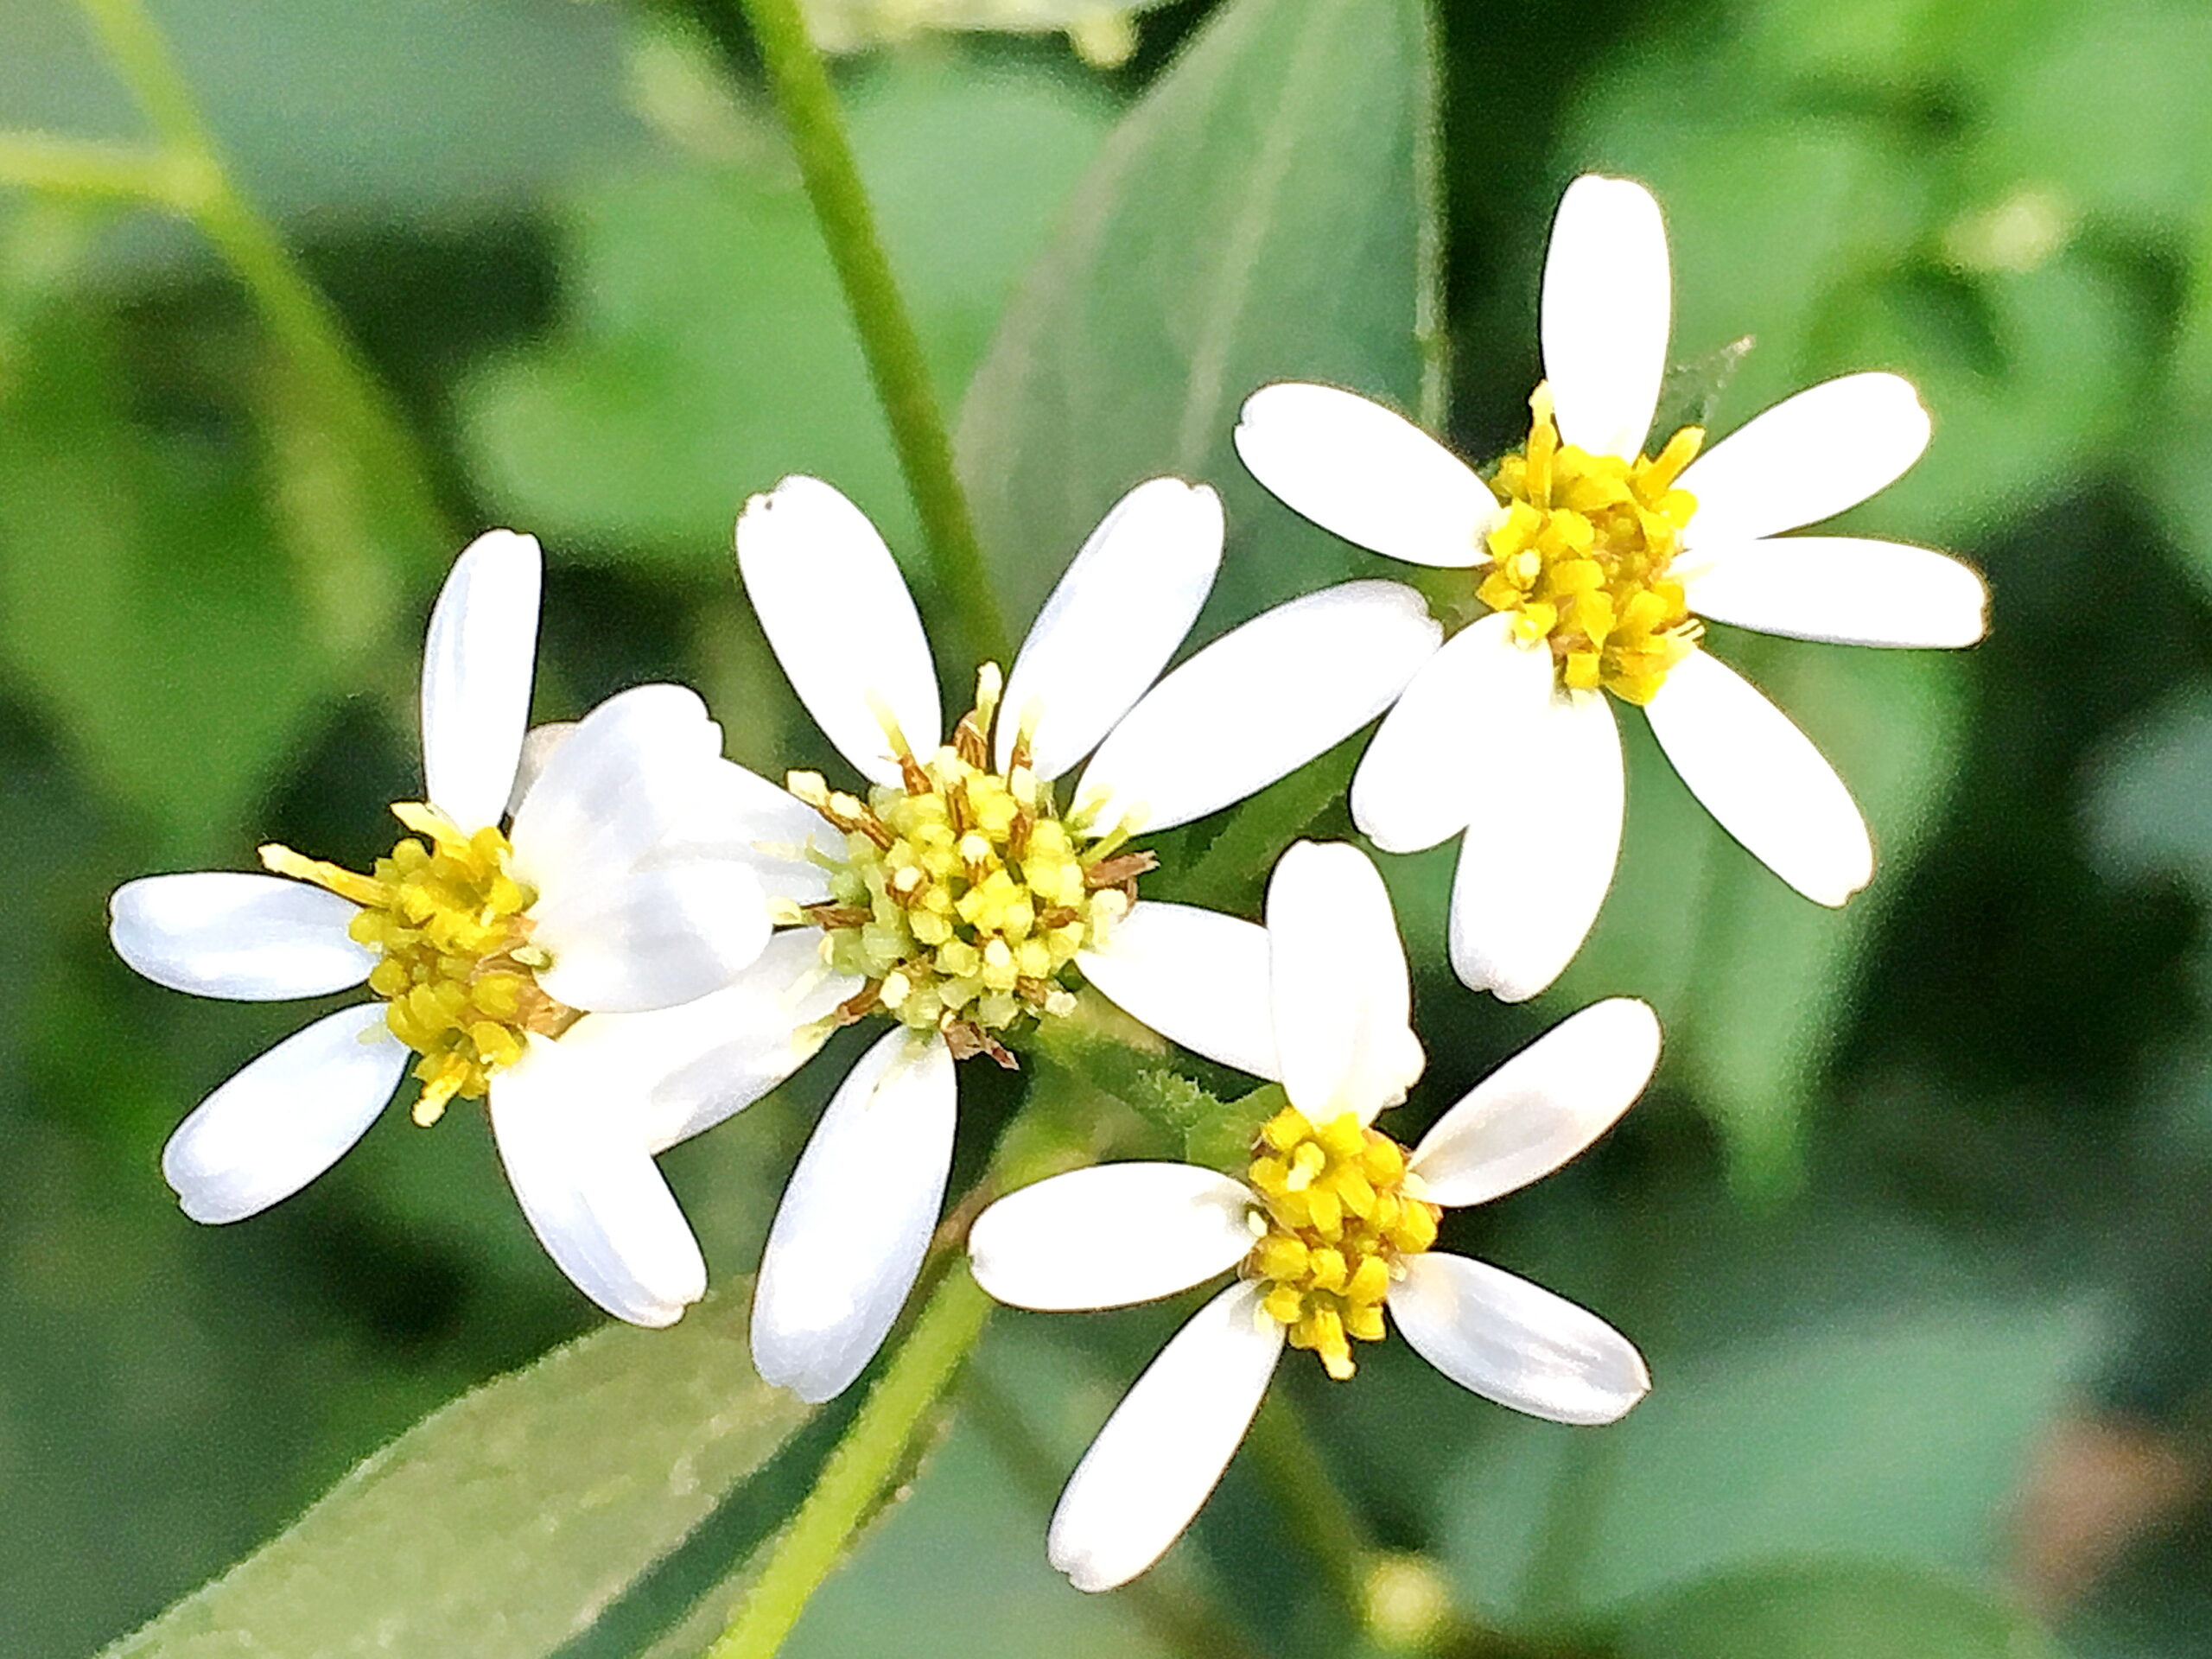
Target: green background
[1917,1182]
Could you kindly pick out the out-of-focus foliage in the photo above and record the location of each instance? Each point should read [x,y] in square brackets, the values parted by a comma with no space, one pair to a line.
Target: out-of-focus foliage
[643,421]
[1298,136]
[1866,1227]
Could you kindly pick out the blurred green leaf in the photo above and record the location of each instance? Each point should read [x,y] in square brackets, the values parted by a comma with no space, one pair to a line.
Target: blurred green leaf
[707,351]
[2063,70]
[406,107]
[145,598]
[1897,1436]
[1826,1609]
[1265,212]
[503,1525]
[2146,806]
[1751,979]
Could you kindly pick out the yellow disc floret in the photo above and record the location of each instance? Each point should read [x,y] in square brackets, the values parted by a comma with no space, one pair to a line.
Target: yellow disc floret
[458,970]
[1338,1215]
[1582,557]
[962,894]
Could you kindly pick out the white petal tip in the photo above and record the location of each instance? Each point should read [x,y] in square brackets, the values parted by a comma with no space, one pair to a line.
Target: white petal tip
[810,1387]
[1085,1577]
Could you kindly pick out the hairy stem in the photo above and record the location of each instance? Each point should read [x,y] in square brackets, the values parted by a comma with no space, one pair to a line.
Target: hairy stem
[866,1461]
[811,116]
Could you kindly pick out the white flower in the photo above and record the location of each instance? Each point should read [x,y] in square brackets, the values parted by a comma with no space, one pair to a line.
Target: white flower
[957,896]
[1333,1225]
[482,948]
[1599,562]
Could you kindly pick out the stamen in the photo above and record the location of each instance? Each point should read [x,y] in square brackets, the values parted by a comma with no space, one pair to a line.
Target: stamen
[455,966]
[1340,1213]
[962,896]
[1583,558]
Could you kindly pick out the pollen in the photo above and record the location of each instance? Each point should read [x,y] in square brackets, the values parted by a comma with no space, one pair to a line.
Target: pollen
[1582,559]
[1337,1217]
[964,895]
[458,973]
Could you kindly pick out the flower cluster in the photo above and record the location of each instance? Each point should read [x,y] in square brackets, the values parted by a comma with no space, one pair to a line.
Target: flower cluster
[614,938]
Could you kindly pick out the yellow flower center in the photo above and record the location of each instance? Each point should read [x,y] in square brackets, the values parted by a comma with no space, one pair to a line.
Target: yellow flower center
[458,973]
[962,894]
[1582,557]
[1339,1211]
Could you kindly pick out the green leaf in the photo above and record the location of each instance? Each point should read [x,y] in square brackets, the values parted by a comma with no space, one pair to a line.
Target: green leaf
[407,107]
[1822,1610]
[503,1525]
[146,600]
[1265,212]
[1895,1434]
[1751,979]
[706,351]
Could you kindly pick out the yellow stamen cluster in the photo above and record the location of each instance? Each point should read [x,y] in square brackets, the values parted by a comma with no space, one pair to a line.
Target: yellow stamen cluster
[963,895]
[1582,557]
[1339,1216]
[458,971]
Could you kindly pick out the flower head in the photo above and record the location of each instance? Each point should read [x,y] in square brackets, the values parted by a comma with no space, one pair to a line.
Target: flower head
[961,889]
[484,948]
[1332,1226]
[1600,558]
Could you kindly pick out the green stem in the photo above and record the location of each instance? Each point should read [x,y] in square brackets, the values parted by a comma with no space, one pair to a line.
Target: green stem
[76,167]
[809,107]
[865,1463]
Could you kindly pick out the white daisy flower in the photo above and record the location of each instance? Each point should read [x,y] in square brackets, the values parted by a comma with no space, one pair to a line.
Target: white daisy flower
[1599,561]
[957,894]
[483,949]
[1332,1224]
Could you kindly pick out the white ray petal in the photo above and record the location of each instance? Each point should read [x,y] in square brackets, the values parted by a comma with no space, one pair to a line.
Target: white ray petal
[1807,458]
[590,1188]
[285,1117]
[685,1069]
[1423,776]
[478,662]
[1342,1002]
[1111,625]
[1762,778]
[856,1218]
[831,601]
[1842,588]
[741,815]
[1542,1106]
[1516,1342]
[538,745]
[1111,1234]
[1608,297]
[634,769]
[651,938]
[1163,1450]
[1260,702]
[1195,977]
[1540,852]
[1366,473]
[250,939]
